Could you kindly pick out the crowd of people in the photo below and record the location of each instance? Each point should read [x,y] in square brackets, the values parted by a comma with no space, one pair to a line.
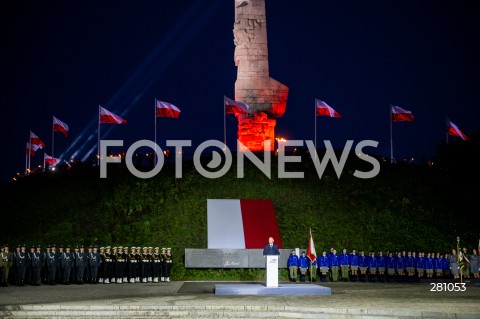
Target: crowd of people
[403,266]
[79,265]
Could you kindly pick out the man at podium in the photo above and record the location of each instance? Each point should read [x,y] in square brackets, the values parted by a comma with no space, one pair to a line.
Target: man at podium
[270,248]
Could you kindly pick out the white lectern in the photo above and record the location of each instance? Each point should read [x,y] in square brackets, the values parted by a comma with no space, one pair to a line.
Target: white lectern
[272,271]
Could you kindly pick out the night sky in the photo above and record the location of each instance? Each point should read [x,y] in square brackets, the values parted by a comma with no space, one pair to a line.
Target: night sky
[64,58]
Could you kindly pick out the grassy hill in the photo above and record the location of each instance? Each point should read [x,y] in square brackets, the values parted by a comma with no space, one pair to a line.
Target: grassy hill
[404,207]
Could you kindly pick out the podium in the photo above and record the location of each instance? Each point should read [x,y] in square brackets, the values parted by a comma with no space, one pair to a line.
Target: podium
[272,271]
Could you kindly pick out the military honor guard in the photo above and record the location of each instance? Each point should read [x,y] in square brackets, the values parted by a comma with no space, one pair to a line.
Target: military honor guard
[132,262]
[102,263]
[59,272]
[138,264]
[38,260]
[94,263]
[292,265]
[80,264]
[119,265]
[67,265]
[168,263]
[126,272]
[113,270]
[20,264]
[29,266]
[107,259]
[156,264]
[145,264]
[6,259]
[150,267]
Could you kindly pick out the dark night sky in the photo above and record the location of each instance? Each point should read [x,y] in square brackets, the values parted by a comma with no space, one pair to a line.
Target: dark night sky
[64,58]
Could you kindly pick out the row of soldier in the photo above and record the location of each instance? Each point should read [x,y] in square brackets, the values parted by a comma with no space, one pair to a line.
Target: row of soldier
[96,265]
[393,267]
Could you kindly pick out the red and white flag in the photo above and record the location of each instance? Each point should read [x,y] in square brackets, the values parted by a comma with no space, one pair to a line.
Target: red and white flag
[311,252]
[35,140]
[235,107]
[49,159]
[323,109]
[59,126]
[453,130]
[108,117]
[401,115]
[32,148]
[165,109]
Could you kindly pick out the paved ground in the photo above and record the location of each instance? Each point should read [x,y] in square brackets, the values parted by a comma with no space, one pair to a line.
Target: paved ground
[415,297]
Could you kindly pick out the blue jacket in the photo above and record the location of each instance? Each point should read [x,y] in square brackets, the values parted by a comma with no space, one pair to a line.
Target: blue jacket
[381,261]
[372,263]
[400,264]
[421,262]
[390,262]
[353,260]
[344,259]
[334,260]
[315,262]
[292,260]
[324,261]
[362,261]
[409,261]
[303,262]
[429,263]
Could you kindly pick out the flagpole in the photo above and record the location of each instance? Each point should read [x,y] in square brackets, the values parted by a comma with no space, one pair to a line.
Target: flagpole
[53,136]
[224,126]
[446,128]
[26,158]
[29,150]
[315,117]
[391,137]
[155,133]
[44,161]
[98,138]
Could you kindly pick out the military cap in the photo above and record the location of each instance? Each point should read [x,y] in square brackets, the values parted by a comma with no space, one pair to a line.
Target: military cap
[150,247]
[114,248]
[145,248]
[163,248]
[156,248]
[32,246]
[126,247]
[120,247]
[23,245]
[60,246]
[76,247]
[68,246]
[90,246]
[53,246]
[169,248]
[102,248]
[82,246]
[108,247]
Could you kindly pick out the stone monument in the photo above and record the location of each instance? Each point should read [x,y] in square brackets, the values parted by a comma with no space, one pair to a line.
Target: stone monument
[266,97]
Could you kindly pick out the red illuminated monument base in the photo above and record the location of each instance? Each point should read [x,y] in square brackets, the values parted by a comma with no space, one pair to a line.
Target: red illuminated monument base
[254,130]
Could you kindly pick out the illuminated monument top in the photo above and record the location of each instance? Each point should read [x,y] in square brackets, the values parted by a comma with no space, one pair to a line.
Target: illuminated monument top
[266,97]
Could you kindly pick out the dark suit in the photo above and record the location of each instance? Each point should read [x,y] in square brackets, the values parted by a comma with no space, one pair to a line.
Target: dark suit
[267,250]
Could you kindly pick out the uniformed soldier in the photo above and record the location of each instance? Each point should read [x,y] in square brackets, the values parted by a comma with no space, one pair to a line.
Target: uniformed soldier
[145,264]
[51,260]
[156,262]
[101,266]
[80,263]
[344,260]
[29,266]
[120,264]
[126,272]
[292,265]
[94,261]
[20,261]
[59,273]
[163,264]
[88,274]
[132,264]
[6,258]
[150,267]
[67,264]
[107,258]
[138,264]
[168,264]
[113,266]
[37,259]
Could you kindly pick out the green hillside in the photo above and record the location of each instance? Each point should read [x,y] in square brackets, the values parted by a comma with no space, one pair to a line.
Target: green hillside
[404,207]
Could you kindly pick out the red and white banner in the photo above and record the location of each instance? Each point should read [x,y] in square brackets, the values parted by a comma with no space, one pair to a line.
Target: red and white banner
[241,223]
[235,107]
[59,126]
[108,117]
[401,115]
[165,109]
[50,160]
[32,148]
[453,130]
[311,252]
[323,109]
[35,140]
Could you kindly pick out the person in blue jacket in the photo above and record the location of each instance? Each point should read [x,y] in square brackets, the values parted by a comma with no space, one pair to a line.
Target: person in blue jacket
[381,260]
[344,259]
[292,265]
[362,265]
[303,263]
[334,263]
[353,262]
[420,266]
[390,266]
[372,267]
[438,265]
[429,265]
[400,266]
[410,262]
[324,266]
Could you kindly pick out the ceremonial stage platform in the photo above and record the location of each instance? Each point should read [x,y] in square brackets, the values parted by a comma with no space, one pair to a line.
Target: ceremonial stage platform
[260,289]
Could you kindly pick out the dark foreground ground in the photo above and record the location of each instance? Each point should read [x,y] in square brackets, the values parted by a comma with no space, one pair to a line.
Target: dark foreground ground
[405,297]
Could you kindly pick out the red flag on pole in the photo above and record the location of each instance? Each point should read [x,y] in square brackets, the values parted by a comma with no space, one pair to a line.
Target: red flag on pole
[108,117]
[34,139]
[323,109]
[59,126]
[49,159]
[401,115]
[235,107]
[165,109]
[453,130]
[32,148]
[311,252]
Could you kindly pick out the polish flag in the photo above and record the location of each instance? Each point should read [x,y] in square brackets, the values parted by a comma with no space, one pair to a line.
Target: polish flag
[108,117]
[32,148]
[323,109]
[453,130]
[34,139]
[235,107]
[59,126]
[311,252]
[241,224]
[401,115]
[50,160]
[165,109]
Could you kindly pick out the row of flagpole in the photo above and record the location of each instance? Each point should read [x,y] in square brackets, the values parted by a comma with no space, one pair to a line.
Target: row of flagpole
[165,109]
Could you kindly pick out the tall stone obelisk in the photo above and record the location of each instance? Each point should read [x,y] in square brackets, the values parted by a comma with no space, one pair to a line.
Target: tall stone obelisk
[266,97]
